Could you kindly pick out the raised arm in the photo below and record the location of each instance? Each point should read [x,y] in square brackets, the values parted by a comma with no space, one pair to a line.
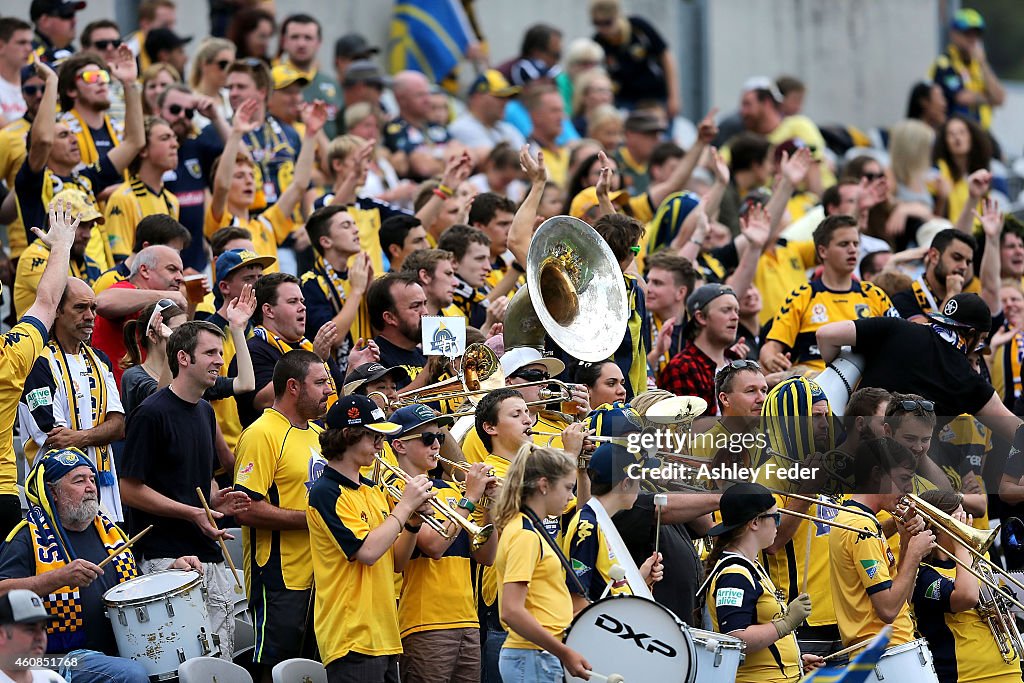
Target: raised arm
[238,313]
[244,121]
[117,302]
[707,129]
[44,126]
[55,276]
[125,70]
[991,218]
[523,223]
[315,115]
[457,170]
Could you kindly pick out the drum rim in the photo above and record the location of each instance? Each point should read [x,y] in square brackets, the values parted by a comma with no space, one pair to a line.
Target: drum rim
[683,626]
[729,642]
[130,602]
[906,647]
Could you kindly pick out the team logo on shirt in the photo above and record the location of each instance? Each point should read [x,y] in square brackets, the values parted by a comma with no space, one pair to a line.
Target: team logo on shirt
[819,314]
[932,591]
[243,474]
[870,567]
[315,468]
[583,531]
[579,568]
[192,166]
[729,597]
[861,311]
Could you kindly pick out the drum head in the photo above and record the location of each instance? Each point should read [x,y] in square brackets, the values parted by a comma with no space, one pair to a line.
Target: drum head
[634,637]
[676,409]
[149,585]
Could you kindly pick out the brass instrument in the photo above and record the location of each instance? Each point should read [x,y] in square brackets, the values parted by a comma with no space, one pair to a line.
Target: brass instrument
[995,604]
[575,293]
[479,374]
[478,534]
[464,467]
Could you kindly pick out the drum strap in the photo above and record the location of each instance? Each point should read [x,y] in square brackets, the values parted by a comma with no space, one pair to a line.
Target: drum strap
[611,535]
[577,585]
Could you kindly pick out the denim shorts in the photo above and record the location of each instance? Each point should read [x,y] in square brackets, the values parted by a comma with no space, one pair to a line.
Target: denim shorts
[529,666]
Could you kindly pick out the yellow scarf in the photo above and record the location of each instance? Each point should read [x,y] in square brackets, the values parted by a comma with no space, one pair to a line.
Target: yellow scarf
[85,142]
[284,347]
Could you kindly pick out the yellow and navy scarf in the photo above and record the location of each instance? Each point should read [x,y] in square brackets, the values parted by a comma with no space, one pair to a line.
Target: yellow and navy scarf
[51,551]
[84,134]
[924,297]
[98,402]
[335,286]
[284,347]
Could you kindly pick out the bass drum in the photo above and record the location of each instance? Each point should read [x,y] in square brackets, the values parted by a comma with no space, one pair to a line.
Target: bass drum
[634,637]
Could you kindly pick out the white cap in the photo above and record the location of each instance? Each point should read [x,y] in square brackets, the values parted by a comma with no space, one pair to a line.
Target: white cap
[763,83]
[518,358]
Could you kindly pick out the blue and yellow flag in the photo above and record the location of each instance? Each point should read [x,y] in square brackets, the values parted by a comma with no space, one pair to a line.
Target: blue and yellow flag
[859,669]
[429,36]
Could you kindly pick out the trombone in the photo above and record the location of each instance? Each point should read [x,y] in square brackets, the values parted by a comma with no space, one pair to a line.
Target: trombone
[994,606]
[464,468]
[478,534]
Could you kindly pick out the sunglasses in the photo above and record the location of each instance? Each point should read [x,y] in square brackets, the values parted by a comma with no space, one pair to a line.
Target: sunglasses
[97,76]
[603,22]
[108,44]
[223,64]
[428,438]
[635,249]
[872,176]
[911,404]
[777,516]
[32,90]
[177,109]
[533,375]
[161,306]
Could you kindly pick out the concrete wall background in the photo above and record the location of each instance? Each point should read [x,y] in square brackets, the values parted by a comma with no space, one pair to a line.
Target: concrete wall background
[859,57]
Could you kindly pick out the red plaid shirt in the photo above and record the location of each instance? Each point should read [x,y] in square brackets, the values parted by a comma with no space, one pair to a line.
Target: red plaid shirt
[691,372]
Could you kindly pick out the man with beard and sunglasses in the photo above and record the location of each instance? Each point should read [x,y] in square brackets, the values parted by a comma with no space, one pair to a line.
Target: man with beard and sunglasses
[277,460]
[66,513]
[178,104]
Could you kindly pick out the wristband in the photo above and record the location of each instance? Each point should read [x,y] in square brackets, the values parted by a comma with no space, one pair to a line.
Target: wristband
[467,504]
[442,195]
[412,529]
[447,191]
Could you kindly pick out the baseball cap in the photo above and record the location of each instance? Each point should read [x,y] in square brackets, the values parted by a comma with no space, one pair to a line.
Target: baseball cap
[80,203]
[364,71]
[586,199]
[740,504]
[353,45]
[613,419]
[21,606]
[700,298]
[163,39]
[359,411]
[370,372]
[55,8]
[610,463]
[641,121]
[966,311]
[286,74]
[232,260]
[417,415]
[968,20]
[492,82]
[516,359]
[763,83]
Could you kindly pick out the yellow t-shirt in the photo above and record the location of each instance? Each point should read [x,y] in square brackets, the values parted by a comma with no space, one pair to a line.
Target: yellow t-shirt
[858,568]
[812,305]
[355,608]
[19,351]
[30,269]
[780,271]
[474,451]
[12,156]
[269,229]
[804,129]
[525,557]
[741,594]
[111,276]
[438,594]
[278,462]
[131,202]
[587,550]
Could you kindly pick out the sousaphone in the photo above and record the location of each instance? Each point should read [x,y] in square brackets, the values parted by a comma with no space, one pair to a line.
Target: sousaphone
[575,293]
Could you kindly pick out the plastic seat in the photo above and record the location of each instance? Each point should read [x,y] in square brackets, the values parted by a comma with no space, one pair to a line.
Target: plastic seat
[212,670]
[299,671]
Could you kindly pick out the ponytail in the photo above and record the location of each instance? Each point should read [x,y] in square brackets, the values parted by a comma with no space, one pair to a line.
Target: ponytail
[529,465]
[135,333]
[721,543]
[133,355]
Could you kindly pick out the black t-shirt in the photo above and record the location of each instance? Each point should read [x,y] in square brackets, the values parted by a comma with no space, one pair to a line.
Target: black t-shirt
[635,66]
[683,573]
[17,561]
[169,447]
[913,359]
[390,355]
[906,304]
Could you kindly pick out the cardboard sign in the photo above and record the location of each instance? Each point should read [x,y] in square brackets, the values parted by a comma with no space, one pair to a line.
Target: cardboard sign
[444,336]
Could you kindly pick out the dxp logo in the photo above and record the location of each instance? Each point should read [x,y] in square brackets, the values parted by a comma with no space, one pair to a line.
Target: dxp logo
[644,641]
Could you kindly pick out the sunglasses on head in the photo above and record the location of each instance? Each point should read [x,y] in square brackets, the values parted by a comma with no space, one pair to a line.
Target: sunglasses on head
[428,438]
[32,90]
[742,364]
[107,44]
[177,109]
[532,375]
[912,404]
[161,306]
[95,76]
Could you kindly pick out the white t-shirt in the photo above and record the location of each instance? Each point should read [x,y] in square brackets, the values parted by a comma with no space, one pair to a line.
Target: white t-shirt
[38,676]
[12,104]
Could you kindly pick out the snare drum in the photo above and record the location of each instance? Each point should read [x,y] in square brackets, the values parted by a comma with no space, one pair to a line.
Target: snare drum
[160,620]
[718,656]
[909,662]
[634,637]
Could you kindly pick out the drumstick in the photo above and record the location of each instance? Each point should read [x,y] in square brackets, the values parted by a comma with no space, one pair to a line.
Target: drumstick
[223,545]
[614,678]
[846,651]
[126,546]
[807,556]
[660,501]
[617,573]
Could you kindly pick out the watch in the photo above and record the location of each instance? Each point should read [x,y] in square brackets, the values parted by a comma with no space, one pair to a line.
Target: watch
[466,504]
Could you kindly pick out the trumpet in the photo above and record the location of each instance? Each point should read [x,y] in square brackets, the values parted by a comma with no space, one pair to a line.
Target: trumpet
[478,534]
[464,467]
[995,605]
